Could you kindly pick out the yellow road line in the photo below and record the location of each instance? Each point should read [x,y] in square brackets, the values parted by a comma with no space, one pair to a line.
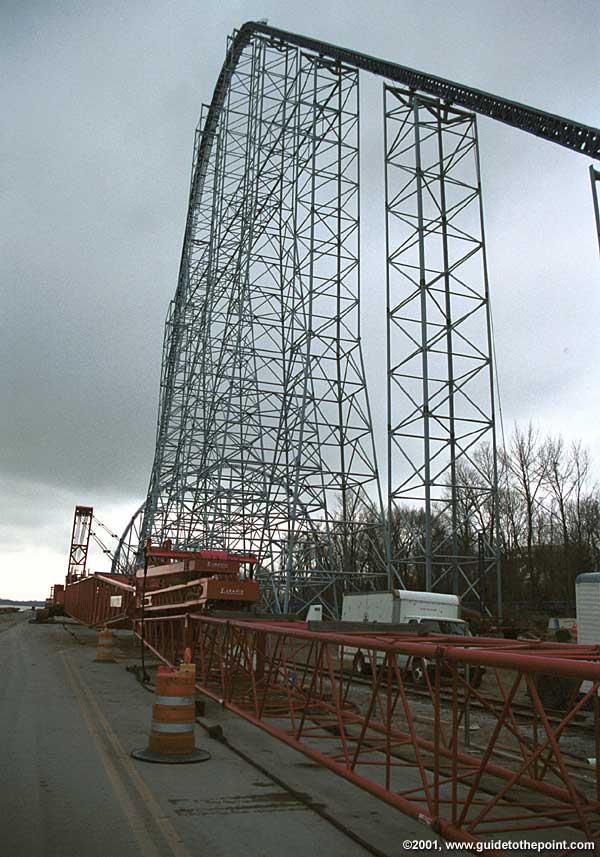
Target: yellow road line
[137,824]
[169,833]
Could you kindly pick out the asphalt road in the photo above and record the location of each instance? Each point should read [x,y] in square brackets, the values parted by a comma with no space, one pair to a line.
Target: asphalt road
[69,787]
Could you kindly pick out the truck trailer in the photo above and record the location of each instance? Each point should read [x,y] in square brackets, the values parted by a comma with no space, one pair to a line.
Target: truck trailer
[436,612]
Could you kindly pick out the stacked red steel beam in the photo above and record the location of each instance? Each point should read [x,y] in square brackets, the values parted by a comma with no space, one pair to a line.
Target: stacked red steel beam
[204,579]
[185,581]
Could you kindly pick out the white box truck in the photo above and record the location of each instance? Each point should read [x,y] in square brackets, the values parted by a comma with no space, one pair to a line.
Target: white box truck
[439,612]
[587,607]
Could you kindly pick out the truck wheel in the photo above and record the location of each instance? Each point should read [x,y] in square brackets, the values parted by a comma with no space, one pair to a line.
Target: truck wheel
[556,692]
[363,667]
[476,677]
[418,672]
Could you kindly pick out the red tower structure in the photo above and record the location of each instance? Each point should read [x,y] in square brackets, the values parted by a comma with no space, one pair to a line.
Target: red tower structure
[80,540]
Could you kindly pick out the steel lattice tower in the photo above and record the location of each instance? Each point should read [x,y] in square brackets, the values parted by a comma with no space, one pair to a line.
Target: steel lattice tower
[440,373]
[265,441]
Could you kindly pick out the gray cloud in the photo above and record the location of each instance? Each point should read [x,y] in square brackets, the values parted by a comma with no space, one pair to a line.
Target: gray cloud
[99,119]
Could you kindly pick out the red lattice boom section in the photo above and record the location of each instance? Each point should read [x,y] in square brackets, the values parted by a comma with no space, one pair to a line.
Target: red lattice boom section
[416,750]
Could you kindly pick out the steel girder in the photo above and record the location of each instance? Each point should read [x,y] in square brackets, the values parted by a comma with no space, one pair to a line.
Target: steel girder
[576,136]
[439,350]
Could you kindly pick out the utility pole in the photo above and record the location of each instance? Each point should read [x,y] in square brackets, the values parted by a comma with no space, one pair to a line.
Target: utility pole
[595,178]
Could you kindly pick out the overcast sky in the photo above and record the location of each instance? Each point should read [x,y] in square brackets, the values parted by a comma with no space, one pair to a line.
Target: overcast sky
[99,113]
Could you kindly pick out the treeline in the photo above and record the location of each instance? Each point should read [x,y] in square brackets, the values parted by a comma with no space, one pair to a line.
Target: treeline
[549,516]
[549,524]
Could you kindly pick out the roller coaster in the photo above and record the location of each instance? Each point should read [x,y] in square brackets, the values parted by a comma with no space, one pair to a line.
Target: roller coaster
[265,441]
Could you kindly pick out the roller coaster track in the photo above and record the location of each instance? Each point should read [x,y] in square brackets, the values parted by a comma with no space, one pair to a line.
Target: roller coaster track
[548,126]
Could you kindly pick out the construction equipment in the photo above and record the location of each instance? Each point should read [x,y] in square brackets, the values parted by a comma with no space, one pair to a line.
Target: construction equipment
[173,716]
[197,580]
[104,652]
[80,542]
[415,753]
[170,581]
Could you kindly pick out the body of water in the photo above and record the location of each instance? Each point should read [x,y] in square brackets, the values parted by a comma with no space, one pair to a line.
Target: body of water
[18,606]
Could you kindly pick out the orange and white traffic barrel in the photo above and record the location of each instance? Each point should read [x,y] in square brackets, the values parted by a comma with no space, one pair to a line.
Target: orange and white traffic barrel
[173,719]
[104,652]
